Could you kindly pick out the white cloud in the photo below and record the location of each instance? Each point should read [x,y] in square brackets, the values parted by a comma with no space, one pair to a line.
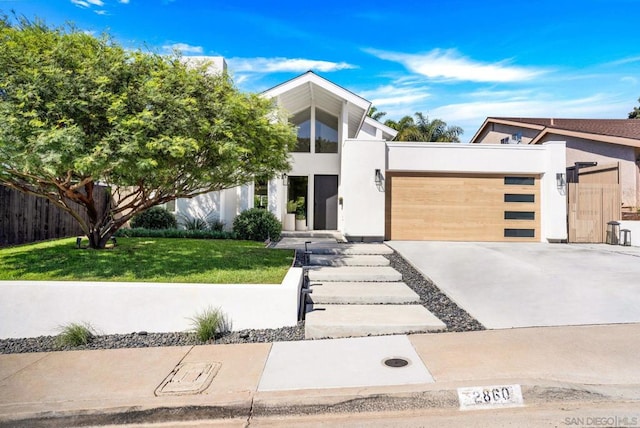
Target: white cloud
[184,48]
[124,1]
[625,61]
[274,65]
[101,12]
[393,95]
[448,64]
[80,3]
[88,3]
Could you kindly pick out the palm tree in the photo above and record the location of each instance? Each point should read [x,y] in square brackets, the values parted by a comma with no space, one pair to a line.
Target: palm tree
[423,129]
[375,114]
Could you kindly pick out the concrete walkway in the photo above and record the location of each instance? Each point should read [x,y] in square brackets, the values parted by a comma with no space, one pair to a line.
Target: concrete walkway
[561,364]
[354,292]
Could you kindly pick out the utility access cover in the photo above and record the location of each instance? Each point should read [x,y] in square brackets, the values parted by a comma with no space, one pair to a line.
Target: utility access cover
[188,378]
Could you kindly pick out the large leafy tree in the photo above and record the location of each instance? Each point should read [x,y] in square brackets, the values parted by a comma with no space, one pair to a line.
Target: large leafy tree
[78,111]
[635,114]
[423,129]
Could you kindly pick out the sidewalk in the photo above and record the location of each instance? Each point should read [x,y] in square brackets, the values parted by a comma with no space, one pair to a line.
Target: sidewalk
[115,386]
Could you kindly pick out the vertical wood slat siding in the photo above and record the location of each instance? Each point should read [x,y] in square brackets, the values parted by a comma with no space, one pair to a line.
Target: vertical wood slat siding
[27,218]
[590,207]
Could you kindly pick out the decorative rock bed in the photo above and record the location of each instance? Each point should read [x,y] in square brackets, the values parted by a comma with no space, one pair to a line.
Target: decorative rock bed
[431,297]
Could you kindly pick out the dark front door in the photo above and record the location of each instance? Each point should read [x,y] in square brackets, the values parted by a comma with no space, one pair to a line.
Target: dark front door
[325,202]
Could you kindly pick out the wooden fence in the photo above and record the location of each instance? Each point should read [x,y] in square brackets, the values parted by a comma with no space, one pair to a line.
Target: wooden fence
[590,207]
[27,218]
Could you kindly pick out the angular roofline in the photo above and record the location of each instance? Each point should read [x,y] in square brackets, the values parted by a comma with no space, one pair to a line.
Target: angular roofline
[311,76]
[557,129]
[371,121]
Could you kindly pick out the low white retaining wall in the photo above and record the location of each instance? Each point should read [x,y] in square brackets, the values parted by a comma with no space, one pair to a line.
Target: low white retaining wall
[634,227]
[37,308]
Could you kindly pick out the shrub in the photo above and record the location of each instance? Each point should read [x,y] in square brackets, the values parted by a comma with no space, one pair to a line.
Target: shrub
[200,222]
[257,225]
[75,334]
[174,233]
[207,323]
[154,218]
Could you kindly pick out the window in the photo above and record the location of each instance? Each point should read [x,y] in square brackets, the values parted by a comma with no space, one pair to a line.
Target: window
[519,215]
[513,197]
[505,140]
[519,233]
[303,121]
[326,132]
[261,192]
[519,181]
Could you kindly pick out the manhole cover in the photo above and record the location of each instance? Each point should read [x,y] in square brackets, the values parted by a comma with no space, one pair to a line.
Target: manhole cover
[188,378]
[396,362]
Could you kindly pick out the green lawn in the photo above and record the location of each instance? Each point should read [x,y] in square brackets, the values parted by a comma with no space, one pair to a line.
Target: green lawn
[148,260]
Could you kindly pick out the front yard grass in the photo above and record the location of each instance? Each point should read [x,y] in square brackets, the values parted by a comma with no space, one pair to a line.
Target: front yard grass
[148,260]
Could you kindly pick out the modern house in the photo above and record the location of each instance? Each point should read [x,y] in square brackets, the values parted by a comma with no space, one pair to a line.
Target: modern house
[356,180]
[606,148]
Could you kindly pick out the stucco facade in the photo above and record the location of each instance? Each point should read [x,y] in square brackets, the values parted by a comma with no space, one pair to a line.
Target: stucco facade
[343,156]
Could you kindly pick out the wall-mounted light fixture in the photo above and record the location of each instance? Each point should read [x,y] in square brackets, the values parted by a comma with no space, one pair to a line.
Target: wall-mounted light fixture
[561,182]
[285,179]
[378,177]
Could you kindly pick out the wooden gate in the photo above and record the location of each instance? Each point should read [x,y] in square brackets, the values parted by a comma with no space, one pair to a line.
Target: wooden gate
[593,202]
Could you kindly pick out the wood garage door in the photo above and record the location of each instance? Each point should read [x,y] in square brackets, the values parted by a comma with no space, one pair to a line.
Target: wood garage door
[454,207]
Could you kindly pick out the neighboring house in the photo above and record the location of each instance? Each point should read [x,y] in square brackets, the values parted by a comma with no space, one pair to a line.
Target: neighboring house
[609,142]
[354,179]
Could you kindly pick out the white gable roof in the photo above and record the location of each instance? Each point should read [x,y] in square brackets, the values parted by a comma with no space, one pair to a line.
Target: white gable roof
[377,129]
[296,95]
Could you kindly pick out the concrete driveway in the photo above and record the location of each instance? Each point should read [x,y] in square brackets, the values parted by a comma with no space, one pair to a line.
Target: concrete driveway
[506,285]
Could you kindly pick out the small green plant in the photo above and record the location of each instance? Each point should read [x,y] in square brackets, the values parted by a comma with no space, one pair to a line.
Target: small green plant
[154,218]
[208,323]
[257,225]
[292,206]
[75,334]
[300,209]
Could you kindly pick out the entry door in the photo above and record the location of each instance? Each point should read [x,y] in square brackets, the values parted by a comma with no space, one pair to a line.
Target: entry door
[325,202]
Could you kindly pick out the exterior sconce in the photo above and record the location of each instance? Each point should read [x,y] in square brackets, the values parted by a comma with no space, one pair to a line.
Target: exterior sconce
[561,182]
[285,179]
[378,178]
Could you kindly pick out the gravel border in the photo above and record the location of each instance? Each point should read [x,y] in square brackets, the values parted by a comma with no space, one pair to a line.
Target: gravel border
[438,303]
[455,318]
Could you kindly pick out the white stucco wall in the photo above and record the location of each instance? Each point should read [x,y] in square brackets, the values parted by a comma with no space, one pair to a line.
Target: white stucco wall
[35,308]
[362,210]
[366,216]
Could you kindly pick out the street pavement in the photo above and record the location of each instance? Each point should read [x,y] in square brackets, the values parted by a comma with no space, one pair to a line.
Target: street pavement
[574,364]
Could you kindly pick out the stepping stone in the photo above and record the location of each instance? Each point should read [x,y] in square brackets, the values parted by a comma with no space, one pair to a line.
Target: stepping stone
[363,293]
[354,273]
[349,249]
[333,321]
[355,260]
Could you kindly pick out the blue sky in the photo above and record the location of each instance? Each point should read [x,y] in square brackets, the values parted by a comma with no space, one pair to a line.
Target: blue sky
[457,60]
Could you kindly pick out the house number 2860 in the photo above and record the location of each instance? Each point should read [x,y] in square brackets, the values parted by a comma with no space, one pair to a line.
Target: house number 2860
[495,395]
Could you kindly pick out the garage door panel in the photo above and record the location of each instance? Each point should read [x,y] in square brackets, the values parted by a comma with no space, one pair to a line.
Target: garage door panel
[460,208]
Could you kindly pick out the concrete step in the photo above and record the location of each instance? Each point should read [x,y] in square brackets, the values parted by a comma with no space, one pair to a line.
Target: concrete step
[333,321]
[349,249]
[341,260]
[354,274]
[363,293]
